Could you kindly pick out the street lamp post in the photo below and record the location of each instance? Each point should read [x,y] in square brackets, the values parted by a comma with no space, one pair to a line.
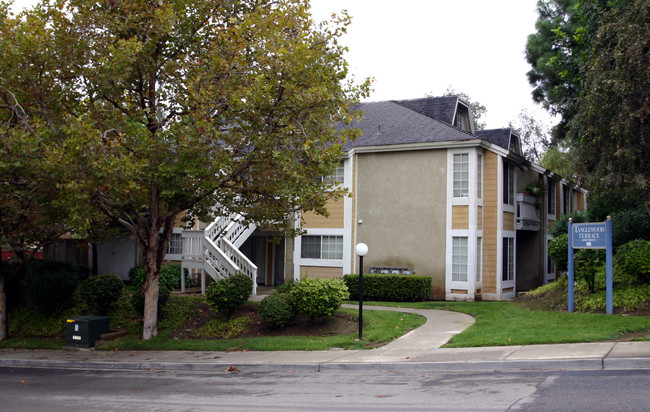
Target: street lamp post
[361,249]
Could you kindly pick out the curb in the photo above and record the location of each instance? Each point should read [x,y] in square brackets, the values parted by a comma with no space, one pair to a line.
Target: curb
[484,366]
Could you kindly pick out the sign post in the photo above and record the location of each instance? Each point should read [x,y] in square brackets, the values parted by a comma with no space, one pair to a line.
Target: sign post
[591,236]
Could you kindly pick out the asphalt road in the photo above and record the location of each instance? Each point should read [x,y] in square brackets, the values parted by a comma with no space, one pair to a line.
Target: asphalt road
[23,389]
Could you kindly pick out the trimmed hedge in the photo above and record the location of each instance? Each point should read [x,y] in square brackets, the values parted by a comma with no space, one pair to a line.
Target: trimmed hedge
[277,310]
[390,288]
[227,294]
[101,292]
[317,297]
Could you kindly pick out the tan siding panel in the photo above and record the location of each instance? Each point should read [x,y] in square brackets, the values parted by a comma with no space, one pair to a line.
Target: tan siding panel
[460,217]
[490,209]
[335,220]
[320,272]
[459,291]
[581,201]
[508,221]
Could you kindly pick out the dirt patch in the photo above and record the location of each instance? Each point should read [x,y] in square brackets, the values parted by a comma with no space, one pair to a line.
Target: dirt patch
[338,324]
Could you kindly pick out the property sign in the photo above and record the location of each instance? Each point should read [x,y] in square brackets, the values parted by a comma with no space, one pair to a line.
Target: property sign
[592,236]
[589,236]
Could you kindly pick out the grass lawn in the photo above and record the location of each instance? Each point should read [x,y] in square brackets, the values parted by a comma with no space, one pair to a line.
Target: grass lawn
[505,323]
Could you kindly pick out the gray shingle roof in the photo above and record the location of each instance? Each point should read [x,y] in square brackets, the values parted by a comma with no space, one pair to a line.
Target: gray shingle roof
[397,122]
[441,108]
[500,137]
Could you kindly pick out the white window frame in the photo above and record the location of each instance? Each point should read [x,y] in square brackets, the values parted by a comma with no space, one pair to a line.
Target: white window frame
[325,247]
[461,186]
[479,175]
[175,256]
[509,269]
[460,267]
[479,259]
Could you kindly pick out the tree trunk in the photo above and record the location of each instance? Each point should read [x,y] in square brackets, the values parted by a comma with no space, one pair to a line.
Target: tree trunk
[150,290]
[4,330]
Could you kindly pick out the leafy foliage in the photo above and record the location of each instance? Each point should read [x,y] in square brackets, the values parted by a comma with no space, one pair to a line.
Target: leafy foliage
[277,310]
[318,298]
[390,288]
[587,264]
[170,276]
[50,285]
[101,292]
[558,248]
[226,295]
[561,225]
[633,260]
[612,115]
[166,108]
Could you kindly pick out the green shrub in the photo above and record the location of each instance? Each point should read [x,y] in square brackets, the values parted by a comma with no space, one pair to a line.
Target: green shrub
[101,292]
[49,286]
[285,287]
[226,295]
[170,276]
[318,298]
[561,225]
[277,310]
[137,300]
[390,288]
[630,224]
[627,299]
[558,250]
[633,261]
[587,263]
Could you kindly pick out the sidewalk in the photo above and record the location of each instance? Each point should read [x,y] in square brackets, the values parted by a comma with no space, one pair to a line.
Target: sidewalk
[417,350]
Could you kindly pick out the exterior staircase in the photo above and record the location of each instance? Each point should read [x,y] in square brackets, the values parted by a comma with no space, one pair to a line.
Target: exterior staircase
[215,250]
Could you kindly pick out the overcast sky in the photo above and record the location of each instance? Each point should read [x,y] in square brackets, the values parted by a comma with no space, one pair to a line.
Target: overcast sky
[415,47]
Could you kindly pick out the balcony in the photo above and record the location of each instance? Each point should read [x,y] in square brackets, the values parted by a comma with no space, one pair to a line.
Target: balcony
[527,213]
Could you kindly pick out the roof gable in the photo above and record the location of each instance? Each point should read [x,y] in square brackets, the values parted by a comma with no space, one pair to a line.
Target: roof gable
[392,123]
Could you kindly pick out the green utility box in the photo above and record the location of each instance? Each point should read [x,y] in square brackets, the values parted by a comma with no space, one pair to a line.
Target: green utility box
[83,331]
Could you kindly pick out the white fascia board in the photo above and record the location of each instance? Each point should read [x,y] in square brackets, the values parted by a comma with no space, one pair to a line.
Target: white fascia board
[416,146]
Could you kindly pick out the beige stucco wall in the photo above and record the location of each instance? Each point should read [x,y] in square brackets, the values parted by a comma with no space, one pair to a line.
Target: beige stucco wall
[401,199]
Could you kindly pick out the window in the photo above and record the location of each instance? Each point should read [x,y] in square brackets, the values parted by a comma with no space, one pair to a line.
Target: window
[508,183]
[551,197]
[508,258]
[479,258]
[321,247]
[459,259]
[479,176]
[461,175]
[175,246]
[566,195]
[338,176]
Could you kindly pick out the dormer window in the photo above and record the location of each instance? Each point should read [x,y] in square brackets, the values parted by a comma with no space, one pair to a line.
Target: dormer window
[514,145]
[462,120]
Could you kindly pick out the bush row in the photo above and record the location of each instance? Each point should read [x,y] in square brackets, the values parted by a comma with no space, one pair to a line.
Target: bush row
[316,298]
[393,288]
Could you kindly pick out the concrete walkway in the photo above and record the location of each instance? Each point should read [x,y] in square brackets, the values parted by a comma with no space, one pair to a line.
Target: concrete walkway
[417,350]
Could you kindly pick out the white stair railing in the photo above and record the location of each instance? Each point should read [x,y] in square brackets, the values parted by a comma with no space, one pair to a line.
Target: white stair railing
[215,250]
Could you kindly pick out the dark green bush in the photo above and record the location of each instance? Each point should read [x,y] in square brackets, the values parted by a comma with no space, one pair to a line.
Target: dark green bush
[277,310]
[226,295]
[285,287]
[101,292]
[587,263]
[137,300]
[632,260]
[49,286]
[170,276]
[630,224]
[318,298]
[390,288]
[561,225]
[558,250]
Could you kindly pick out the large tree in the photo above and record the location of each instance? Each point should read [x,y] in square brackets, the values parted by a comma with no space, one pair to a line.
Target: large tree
[611,125]
[157,109]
